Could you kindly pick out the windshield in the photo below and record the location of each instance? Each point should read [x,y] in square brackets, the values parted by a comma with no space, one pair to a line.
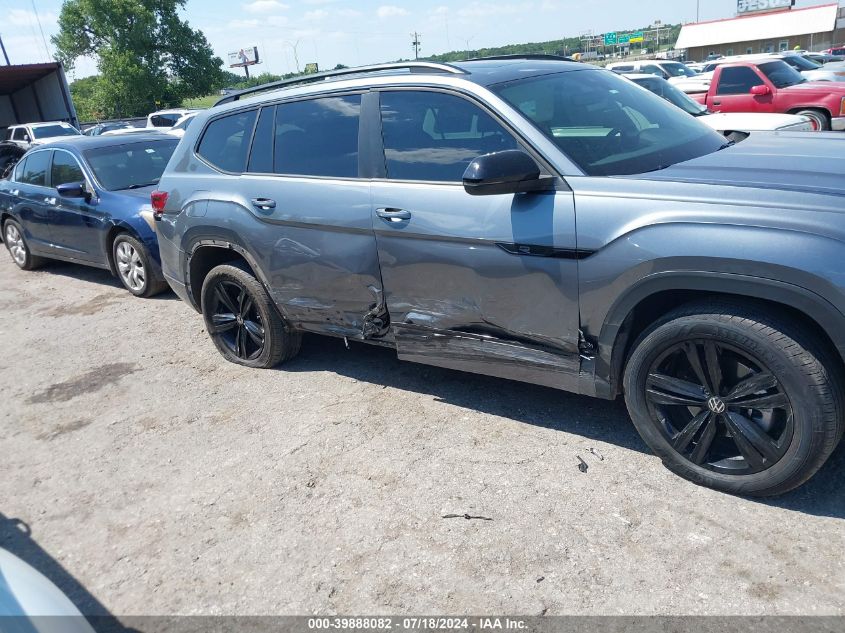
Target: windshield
[781,74]
[801,63]
[607,125]
[131,165]
[677,69]
[49,131]
[663,88]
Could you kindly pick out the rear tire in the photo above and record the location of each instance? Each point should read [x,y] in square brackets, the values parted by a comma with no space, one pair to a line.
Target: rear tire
[820,120]
[18,248]
[774,416]
[242,320]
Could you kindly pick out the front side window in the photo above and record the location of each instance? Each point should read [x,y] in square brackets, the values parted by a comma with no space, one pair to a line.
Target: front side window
[651,69]
[607,125]
[738,80]
[225,143]
[433,136]
[676,69]
[65,170]
[318,137]
[20,134]
[131,165]
[35,169]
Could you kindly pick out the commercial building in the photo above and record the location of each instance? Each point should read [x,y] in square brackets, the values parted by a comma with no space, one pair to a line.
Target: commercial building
[810,28]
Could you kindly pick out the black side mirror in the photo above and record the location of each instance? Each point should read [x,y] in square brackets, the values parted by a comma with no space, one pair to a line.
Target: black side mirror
[72,190]
[509,171]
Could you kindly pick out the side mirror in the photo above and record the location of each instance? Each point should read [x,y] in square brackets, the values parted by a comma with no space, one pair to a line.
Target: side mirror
[72,190]
[509,171]
[26,138]
[761,91]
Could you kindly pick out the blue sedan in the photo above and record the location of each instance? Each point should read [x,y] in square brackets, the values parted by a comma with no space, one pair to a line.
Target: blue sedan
[87,200]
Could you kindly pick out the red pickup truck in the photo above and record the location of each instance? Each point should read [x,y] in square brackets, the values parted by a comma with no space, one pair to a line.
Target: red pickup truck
[774,86]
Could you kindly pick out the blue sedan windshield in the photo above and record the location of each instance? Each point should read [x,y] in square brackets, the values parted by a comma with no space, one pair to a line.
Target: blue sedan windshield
[132,165]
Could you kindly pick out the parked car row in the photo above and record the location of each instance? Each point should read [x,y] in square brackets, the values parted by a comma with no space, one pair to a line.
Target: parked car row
[432,208]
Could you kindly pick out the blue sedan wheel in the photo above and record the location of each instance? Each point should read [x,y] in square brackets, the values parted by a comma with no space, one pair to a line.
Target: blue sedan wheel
[18,248]
[138,272]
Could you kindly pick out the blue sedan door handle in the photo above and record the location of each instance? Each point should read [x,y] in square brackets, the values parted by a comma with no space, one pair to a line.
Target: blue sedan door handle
[50,201]
[393,215]
[265,204]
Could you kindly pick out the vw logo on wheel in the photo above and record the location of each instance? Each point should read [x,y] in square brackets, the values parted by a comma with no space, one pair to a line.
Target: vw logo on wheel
[716,405]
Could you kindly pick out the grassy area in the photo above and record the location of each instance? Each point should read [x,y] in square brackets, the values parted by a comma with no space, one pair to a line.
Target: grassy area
[201,102]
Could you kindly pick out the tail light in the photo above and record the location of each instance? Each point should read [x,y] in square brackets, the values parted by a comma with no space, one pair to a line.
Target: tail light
[159,201]
[842,107]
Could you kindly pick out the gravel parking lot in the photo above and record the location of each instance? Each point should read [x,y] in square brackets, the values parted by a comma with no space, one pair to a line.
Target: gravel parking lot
[163,480]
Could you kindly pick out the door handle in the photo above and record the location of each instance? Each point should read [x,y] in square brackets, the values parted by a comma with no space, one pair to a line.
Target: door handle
[717,103]
[393,215]
[15,192]
[50,201]
[265,204]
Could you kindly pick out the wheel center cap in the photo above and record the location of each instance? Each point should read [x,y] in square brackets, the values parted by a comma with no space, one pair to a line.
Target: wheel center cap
[240,320]
[716,405]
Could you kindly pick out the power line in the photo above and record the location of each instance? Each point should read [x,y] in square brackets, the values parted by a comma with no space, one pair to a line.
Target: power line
[40,28]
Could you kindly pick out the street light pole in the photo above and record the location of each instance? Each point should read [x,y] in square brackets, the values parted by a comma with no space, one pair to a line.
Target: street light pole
[697,10]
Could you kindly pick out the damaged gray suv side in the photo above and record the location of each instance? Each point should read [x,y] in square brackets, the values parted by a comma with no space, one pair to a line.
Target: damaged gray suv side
[538,220]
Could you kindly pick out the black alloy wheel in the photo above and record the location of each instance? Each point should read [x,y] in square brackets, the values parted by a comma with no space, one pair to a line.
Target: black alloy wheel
[236,320]
[244,324]
[719,407]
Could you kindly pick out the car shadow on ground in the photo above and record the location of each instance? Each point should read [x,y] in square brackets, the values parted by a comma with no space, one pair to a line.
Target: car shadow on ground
[93,275]
[592,418]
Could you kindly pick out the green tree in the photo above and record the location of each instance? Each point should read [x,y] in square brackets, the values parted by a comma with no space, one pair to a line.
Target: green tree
[147,56]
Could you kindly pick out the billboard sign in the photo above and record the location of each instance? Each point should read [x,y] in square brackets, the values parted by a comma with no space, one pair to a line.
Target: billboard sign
[311,68]
[247,56]
[636,38]
[744,7]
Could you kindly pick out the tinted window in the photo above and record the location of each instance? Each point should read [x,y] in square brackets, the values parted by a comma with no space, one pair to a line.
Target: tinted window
[651,69]
[19,134]
[65,169]
[20,168]
[738,80]
[35,169]
[607,125]
[261,156]
[49,131]
[434,136]
[225,142]
[780,74]
[676,69]
[318,137]
[131,165]
[165,120]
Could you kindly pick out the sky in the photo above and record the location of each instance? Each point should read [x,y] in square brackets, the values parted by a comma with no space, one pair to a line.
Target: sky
[355,32]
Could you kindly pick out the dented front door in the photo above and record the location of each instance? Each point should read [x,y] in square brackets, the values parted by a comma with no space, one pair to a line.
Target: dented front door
[481,283]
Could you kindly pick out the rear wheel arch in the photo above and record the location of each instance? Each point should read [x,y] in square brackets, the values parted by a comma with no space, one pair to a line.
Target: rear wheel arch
[205,254]
[810,111]
[111,236]
[647,302]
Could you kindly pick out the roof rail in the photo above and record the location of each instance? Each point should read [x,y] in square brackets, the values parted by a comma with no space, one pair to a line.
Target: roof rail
[535,56]
[413,67]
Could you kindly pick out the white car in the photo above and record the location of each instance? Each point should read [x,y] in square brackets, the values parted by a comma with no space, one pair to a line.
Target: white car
[166,118]
[675,73]
[726,122]
[29,134]
[182,124]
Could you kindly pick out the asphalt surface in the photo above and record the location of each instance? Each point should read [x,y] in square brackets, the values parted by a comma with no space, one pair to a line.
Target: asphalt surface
[155,478]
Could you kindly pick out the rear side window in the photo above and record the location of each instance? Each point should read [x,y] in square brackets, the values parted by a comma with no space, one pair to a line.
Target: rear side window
[35,169]
[738,81]
[434,136]
[225,143]
[261,155]
[65,170]
[318,137]
[165,120]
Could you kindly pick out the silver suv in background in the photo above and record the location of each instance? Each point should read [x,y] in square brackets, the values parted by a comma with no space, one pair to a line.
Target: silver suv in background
[532,219]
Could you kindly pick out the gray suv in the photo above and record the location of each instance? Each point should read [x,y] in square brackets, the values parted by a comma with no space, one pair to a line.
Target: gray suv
[538,220]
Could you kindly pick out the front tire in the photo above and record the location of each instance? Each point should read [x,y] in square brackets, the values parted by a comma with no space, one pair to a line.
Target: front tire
[136,269]
[242,321]
[734,399]
[18,248]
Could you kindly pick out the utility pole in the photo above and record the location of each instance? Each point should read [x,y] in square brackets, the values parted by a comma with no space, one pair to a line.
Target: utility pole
[697,10]
[416,44]
[3,46]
